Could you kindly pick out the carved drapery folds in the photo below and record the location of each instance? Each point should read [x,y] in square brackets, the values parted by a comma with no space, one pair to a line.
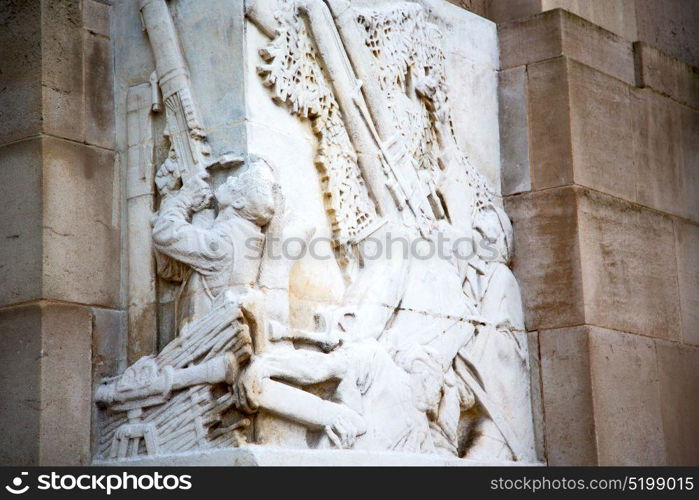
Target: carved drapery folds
[419,355]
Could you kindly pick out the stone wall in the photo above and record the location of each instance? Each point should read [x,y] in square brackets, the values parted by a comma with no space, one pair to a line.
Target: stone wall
[600,174]
[601,177]
[60,231]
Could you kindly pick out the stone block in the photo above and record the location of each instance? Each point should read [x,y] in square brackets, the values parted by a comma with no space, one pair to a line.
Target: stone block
[687,245]
[658,152]
[558,32]
[514,131]
[96,17]
[618,16]
[667,75]
[20,79]
[689,126]
[20,405]
[47,388]
[81,236]
[507,10]
[546,257]
[62,69]
[108,343]
[672,26]
[628,267]
[99,92]
[20,224]
[550,153]
[66,385]
[679,385]
[567,397]
[536,394]
[626,399]
[601,133]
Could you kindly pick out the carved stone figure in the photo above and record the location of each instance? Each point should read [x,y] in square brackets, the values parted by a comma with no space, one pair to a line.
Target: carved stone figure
[412,353]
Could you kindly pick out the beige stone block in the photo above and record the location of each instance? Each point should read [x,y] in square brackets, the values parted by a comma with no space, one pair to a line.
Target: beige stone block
[546,257]
[514,131]
[507,10]
[689,121]
[658,152]
[20,405]
[108,343]
[530,40]
[671,25]
[143,331]
[96,17]
[667,75]
[62,69]
[81,237]
[99,92]
[66,385]
[20,79]
[678,368]
[558,32]
[536,394]
[687,246]
[626,399]
[601,133]
[628,267]
[46,384]
[20,224]
[567,397]
[550,156]
[617,16]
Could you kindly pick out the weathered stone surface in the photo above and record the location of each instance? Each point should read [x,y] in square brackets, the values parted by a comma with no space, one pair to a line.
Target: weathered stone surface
[549,129]
[658,152]
[20,79]
[536,394]
[671,25]
[547,259]
[679,384]
[567,397]
[687,246]
[506,10]
[96,17]
[46,408]
[108,342]
[628,267]
[20,226]
[62,69]
[559,32]
[626,399]
[20,406]
[618,16]
[601,131]
[667,75]
[66,385]
[514,131]
[689,121]
[80,224]
[99,91]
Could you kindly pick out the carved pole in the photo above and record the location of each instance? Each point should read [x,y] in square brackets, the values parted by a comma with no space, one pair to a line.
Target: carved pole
[183,122]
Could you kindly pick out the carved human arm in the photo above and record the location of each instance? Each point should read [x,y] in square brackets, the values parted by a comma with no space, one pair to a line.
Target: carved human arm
[256,389]
[175,236]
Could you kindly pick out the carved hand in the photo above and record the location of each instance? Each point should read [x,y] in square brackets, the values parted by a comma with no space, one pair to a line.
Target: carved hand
[248,387]
[199,192]
[342,432]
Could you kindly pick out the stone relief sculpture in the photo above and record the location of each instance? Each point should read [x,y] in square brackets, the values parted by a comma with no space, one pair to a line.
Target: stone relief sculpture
[420,355]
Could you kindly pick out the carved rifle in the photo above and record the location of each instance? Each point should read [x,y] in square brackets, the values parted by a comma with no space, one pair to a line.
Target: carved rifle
[187,136]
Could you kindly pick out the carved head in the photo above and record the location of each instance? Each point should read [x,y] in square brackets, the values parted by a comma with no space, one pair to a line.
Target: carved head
[495,227]
[252,193]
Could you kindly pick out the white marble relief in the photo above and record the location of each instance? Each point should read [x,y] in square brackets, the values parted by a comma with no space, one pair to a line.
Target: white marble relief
[418,353]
